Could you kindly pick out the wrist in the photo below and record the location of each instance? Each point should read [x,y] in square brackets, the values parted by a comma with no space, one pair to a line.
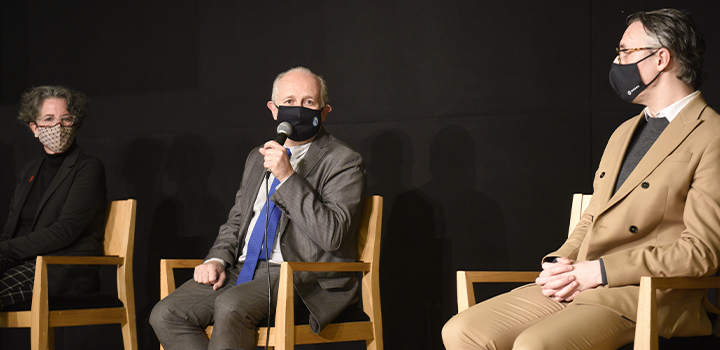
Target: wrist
[285,176]
[219,265]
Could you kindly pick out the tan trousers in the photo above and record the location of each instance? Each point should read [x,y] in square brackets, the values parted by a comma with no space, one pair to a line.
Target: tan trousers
[525,319]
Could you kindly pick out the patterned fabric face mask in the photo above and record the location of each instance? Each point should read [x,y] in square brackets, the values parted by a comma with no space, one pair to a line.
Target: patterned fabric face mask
[56,138]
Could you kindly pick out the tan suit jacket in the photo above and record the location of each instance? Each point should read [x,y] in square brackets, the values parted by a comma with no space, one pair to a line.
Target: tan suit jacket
[663,221]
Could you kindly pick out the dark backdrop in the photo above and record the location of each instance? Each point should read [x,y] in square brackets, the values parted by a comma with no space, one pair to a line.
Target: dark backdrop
[477,121]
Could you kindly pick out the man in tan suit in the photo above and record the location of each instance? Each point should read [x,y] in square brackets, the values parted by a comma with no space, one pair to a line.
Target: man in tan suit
[655,211]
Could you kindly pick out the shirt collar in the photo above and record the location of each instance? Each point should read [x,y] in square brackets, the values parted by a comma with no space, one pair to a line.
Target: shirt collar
[671,111]
[298,152]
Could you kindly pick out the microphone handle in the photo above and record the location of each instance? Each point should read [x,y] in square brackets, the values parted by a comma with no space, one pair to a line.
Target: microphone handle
[280,138]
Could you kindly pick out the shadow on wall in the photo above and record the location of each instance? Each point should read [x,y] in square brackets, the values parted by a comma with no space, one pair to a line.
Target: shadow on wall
[185,223]
[142,169]
[432,231]
[177,218]
[389,167]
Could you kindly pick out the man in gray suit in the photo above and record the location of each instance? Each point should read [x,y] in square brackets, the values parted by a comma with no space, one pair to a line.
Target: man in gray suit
[318,201]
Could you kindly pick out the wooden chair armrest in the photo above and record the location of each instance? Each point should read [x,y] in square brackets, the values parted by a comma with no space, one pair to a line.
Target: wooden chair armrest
[499,276]
[80,260]
[328,266]
[167,275]
[646,328]
[682,282]
[180,263]
[465,280]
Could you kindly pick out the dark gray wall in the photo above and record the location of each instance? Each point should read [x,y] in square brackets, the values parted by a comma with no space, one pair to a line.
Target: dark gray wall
[477,121]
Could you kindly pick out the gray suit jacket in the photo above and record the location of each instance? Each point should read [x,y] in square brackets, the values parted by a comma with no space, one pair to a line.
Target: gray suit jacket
[322,207]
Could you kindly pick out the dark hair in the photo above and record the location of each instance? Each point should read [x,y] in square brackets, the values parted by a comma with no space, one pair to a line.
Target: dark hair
[31,102]
[676,31]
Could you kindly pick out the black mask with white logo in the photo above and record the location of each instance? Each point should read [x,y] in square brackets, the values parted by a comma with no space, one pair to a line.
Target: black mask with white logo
[625,79]
[306,122]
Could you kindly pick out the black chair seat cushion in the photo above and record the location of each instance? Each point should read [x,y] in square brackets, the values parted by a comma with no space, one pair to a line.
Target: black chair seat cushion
[352,313]
[89,301]
[709,342]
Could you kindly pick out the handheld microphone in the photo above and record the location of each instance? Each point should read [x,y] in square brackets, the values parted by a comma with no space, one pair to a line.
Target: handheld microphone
[283,131]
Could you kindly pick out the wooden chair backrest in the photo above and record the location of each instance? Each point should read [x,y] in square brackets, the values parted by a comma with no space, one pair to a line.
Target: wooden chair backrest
[579,203]
[368,235]
[120,228]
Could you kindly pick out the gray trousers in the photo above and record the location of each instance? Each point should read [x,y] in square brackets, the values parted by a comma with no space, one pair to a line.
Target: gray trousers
[180,319]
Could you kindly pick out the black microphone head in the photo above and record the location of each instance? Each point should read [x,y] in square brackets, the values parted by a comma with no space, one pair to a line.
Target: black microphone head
[284,130]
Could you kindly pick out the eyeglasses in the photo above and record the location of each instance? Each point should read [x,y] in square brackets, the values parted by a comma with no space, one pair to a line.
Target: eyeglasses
[624,52]
[66,120]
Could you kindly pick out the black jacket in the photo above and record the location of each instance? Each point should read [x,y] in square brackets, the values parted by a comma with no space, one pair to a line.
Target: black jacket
[69,221]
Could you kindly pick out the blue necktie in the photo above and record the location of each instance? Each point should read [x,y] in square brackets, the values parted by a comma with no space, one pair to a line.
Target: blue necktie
[255,245]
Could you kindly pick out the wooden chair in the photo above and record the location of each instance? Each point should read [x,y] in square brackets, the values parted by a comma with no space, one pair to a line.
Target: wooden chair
[285,334]
[646,333]
[119,241]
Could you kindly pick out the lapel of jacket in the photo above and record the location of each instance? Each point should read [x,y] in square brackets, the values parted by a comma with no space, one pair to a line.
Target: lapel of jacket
[255,180]
[674,134]
[315,153]
[250,190]
[618,154]
[26,183]
[312,158]
[62,173]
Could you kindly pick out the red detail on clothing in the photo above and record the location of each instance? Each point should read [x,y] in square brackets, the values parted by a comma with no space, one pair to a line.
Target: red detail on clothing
[31,178]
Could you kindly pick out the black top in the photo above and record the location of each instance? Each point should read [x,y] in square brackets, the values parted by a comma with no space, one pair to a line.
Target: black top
[50,165]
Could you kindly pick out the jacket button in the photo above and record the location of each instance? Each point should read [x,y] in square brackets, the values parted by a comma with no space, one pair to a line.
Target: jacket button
[645,184]
[602,175]
[633,229]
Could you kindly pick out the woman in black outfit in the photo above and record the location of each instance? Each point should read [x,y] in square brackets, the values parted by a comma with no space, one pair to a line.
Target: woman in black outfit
[59,203]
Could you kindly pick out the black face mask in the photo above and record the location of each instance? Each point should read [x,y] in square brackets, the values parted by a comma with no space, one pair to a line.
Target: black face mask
[306,122]
[625,79]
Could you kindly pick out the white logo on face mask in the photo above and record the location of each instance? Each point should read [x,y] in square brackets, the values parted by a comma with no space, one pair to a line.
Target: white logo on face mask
[633,89]
[56,138]
[315,121]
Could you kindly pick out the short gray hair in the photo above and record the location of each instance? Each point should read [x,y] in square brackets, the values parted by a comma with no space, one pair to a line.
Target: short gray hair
[321,82]
[31,102]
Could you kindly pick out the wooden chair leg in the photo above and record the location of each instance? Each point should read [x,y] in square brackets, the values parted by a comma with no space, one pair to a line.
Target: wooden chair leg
[372,307]
[39,324]
[129,334]
[646,333]
[285,317]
